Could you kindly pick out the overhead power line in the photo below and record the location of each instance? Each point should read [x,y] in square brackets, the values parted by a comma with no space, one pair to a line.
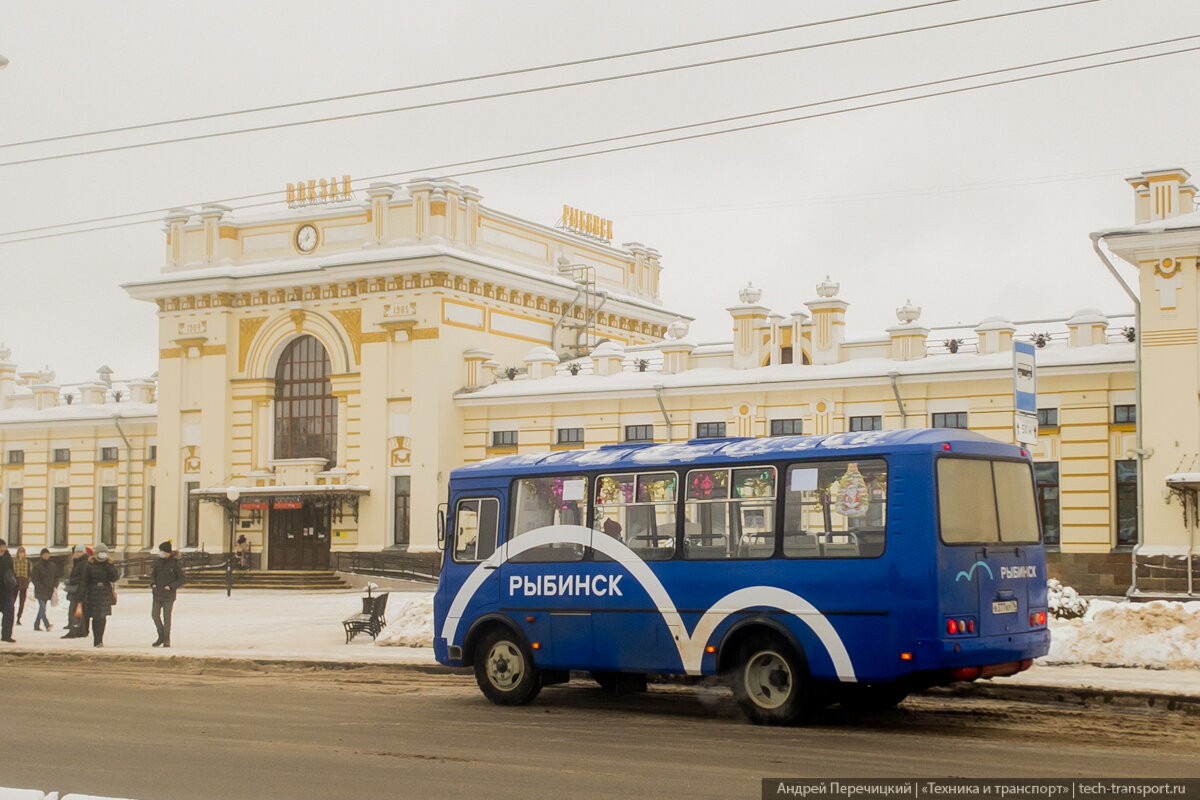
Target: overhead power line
[538,89]
[485,76]
[527,153]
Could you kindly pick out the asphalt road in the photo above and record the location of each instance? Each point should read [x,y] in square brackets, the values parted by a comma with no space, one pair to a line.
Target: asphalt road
[171,732]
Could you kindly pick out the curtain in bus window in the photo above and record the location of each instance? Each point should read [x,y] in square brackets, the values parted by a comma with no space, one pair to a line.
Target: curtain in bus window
[835,509]
[638,509]
[729,513]
[1015,501]
[475,525]
[542,502]
[966,501]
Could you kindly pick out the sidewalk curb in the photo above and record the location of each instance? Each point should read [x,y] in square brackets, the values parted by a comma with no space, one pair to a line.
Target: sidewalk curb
[1083,696]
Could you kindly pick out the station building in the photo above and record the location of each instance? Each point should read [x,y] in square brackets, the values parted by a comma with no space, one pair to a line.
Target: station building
[321,370]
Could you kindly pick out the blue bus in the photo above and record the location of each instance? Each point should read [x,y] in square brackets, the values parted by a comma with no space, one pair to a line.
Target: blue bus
[850,568]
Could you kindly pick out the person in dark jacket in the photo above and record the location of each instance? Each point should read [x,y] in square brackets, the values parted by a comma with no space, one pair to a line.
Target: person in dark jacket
[77,621]
[8,593]
[98,579]
[45,582]
[166,576]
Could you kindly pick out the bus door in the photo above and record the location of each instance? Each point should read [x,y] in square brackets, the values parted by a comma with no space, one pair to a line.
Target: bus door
[473,527]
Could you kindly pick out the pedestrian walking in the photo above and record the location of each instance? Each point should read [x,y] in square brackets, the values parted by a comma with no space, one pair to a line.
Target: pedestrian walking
[21,568]
[99,592]
[77,621]
[8,593]
[45,584]
[166,576]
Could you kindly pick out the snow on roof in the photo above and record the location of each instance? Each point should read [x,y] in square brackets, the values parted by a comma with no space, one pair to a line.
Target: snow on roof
[1055,354]
[1182,222]
[379,255]
[79,413]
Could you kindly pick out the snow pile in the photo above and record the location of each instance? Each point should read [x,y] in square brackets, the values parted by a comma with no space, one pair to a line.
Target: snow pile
[412,625]
[1064,601]
[1157,635]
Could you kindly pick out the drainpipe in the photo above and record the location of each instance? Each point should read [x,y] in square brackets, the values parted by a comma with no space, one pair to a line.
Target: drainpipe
[892,376]
[1140,451]
[128,477]
[658,396]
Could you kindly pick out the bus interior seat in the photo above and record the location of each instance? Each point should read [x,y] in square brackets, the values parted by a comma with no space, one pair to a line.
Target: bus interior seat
[799,544]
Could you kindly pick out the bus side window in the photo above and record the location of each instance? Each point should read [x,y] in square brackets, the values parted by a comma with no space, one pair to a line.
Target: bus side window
[546,502]
[835,509]
[475,525]
[729,513]
[639,510]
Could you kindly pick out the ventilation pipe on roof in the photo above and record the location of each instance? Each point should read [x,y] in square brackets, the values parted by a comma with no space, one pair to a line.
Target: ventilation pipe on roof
[658,396]
[1140,451]
[892,376]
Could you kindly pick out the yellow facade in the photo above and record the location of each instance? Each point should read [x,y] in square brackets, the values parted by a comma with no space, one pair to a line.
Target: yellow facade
[446,332]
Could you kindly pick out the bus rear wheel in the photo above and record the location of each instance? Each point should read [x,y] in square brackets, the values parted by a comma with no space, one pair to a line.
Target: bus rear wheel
[771,683]
[504,670]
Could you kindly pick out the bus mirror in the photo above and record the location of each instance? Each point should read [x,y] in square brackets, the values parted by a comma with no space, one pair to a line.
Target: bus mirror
[441,527]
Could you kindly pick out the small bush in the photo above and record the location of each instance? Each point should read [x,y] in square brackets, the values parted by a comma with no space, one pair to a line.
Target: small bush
[1064,601]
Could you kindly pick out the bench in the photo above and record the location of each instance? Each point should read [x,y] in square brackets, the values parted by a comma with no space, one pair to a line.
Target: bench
[371,620]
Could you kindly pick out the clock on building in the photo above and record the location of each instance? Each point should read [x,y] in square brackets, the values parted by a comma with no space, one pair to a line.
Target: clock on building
[306,239]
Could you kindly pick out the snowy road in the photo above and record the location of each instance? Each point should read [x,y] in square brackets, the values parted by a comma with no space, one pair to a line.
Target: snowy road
[175,731]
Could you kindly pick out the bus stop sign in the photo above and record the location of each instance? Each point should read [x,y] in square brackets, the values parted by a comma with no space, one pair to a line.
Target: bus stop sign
[1025,425]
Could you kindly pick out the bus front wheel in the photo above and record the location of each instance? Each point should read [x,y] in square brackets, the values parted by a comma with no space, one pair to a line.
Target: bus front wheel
[771,683]
[504,671]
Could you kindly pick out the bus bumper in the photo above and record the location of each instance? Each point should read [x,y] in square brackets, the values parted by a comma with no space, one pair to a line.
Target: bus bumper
[981,651]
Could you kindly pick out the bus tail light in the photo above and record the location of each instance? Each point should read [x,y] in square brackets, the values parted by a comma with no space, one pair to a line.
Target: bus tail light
[951,626]
[970,626]
[1037,620]
[965,673]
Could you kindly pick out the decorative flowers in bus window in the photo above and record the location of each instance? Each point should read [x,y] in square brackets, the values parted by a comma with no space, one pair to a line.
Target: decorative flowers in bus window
[652,487]
[708,484]
[754,482]
[656,487]
[614,490]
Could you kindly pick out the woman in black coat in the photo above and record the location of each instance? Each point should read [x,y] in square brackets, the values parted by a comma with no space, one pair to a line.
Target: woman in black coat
[98,580]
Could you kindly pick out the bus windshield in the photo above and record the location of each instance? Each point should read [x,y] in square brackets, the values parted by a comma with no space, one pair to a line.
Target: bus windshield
[986,502]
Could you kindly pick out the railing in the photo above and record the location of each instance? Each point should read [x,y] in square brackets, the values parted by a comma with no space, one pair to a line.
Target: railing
[413,566]
[138,565]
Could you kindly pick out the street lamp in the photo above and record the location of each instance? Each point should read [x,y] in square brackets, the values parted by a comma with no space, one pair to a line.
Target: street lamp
[231,494]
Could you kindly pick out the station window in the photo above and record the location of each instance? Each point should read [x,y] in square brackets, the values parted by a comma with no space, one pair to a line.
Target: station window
[16,508]
[639,433]
[710,430]
[1046,474]
[953,419]
[108,454]
[16,456]
[504,438]
[151,452]
[400,518]
[108,515]
[1124,414]
[570,435]
[866,424]
[786,427]
[1047,418]
[1127,516]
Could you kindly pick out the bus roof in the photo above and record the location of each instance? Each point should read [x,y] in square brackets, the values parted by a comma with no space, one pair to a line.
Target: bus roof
[704,451]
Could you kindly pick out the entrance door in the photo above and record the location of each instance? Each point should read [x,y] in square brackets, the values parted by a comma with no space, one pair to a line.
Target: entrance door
[299,538]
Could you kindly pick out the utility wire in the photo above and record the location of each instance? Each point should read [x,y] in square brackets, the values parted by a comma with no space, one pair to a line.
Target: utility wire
[487,76]
[593,142]
[538,89]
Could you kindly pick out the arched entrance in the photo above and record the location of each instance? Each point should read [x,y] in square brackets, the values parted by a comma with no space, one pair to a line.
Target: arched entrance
[305,429]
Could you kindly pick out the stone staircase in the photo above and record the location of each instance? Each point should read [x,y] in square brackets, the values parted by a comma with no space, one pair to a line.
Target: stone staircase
[214,579]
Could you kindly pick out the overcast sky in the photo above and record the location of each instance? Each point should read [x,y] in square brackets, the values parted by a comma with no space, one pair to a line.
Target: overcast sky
[972,204]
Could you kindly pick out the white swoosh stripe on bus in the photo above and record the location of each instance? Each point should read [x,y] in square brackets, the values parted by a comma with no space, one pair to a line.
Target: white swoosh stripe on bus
[691,648]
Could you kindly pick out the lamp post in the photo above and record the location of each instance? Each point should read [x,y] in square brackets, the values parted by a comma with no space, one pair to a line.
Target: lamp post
[231,494]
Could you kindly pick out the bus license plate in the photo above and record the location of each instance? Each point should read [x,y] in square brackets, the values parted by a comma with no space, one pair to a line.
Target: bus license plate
[1004,607]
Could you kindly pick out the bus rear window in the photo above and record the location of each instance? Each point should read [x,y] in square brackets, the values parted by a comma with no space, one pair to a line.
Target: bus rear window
[985,502]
